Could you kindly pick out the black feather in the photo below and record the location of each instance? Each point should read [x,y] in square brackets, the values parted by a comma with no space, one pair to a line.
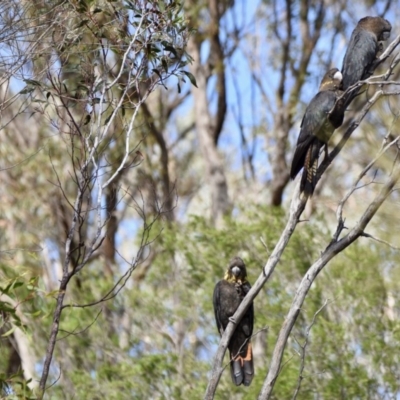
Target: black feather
[228,294]
[358,62]
[319,122]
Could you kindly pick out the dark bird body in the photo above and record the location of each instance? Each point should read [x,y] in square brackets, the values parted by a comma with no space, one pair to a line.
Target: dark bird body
[363,49]
[228,294]
[319,122]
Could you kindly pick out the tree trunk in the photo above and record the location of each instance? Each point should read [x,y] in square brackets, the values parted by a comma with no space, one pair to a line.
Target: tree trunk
[215,174]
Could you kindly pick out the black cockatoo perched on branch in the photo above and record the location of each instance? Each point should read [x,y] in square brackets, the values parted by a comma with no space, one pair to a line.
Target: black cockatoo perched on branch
[228,294]
[319,122]
[363,49]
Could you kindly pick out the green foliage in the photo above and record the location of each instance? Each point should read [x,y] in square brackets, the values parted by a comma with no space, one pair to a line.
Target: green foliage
[171,335]
[141,39]
[156,338]
[14,387]
[351,338]
[20,307]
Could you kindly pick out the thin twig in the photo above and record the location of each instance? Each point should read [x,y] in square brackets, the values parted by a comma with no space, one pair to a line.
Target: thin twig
[367,235]
[81,331]
[354,187]
[265,245]
[303,350]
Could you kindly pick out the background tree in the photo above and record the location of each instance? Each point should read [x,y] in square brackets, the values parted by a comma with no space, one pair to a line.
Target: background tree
[131,177]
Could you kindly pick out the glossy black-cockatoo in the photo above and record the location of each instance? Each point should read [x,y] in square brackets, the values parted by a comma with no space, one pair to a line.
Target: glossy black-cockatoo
[363,49]
[228,294]
[320,120]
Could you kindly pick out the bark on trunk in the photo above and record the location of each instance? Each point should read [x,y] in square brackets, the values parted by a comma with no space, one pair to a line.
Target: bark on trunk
[220,203]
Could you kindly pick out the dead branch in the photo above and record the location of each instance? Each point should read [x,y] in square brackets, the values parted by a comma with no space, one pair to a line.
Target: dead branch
[330,252]
[297,206]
